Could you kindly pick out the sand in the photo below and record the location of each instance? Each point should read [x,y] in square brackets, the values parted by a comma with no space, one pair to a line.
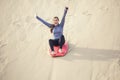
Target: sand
[92,30]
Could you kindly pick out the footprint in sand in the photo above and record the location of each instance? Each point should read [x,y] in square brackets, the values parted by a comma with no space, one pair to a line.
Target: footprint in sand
[87,13]
[17,23]
[3,59]
[19,29]
[3,63]
[119,61]
[103,8]
[2,44]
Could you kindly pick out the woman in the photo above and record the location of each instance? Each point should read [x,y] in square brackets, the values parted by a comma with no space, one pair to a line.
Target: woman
[57,30]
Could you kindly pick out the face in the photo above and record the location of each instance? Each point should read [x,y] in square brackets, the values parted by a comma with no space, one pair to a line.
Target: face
[55,21]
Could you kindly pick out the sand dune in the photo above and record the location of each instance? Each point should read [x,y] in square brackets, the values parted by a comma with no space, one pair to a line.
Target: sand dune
[92,29]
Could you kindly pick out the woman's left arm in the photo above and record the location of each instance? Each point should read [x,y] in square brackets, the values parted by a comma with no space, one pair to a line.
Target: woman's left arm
[63,18]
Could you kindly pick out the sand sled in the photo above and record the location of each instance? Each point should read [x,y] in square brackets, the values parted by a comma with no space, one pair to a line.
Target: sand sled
[64,50]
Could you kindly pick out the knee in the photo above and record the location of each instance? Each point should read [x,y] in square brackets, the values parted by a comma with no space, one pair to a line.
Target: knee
[50,40]
[63,40]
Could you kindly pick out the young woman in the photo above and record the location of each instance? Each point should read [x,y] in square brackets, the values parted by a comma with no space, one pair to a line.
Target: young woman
[57,30]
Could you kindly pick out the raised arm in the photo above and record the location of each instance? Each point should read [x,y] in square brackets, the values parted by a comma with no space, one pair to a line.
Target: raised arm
[43,21]
[63,18]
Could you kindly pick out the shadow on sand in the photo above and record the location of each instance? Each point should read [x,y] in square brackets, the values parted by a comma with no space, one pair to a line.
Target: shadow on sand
[77,53]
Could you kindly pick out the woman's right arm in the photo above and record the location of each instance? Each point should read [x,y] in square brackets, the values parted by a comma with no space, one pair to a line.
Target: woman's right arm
[43,21]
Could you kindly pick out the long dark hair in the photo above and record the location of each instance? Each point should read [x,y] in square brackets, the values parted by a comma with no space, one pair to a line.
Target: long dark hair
[52,26]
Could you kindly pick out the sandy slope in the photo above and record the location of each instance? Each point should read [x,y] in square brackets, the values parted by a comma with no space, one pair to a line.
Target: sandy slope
[92,29]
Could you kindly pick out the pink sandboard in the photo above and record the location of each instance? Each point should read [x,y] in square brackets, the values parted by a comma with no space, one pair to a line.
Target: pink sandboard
[64,50]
